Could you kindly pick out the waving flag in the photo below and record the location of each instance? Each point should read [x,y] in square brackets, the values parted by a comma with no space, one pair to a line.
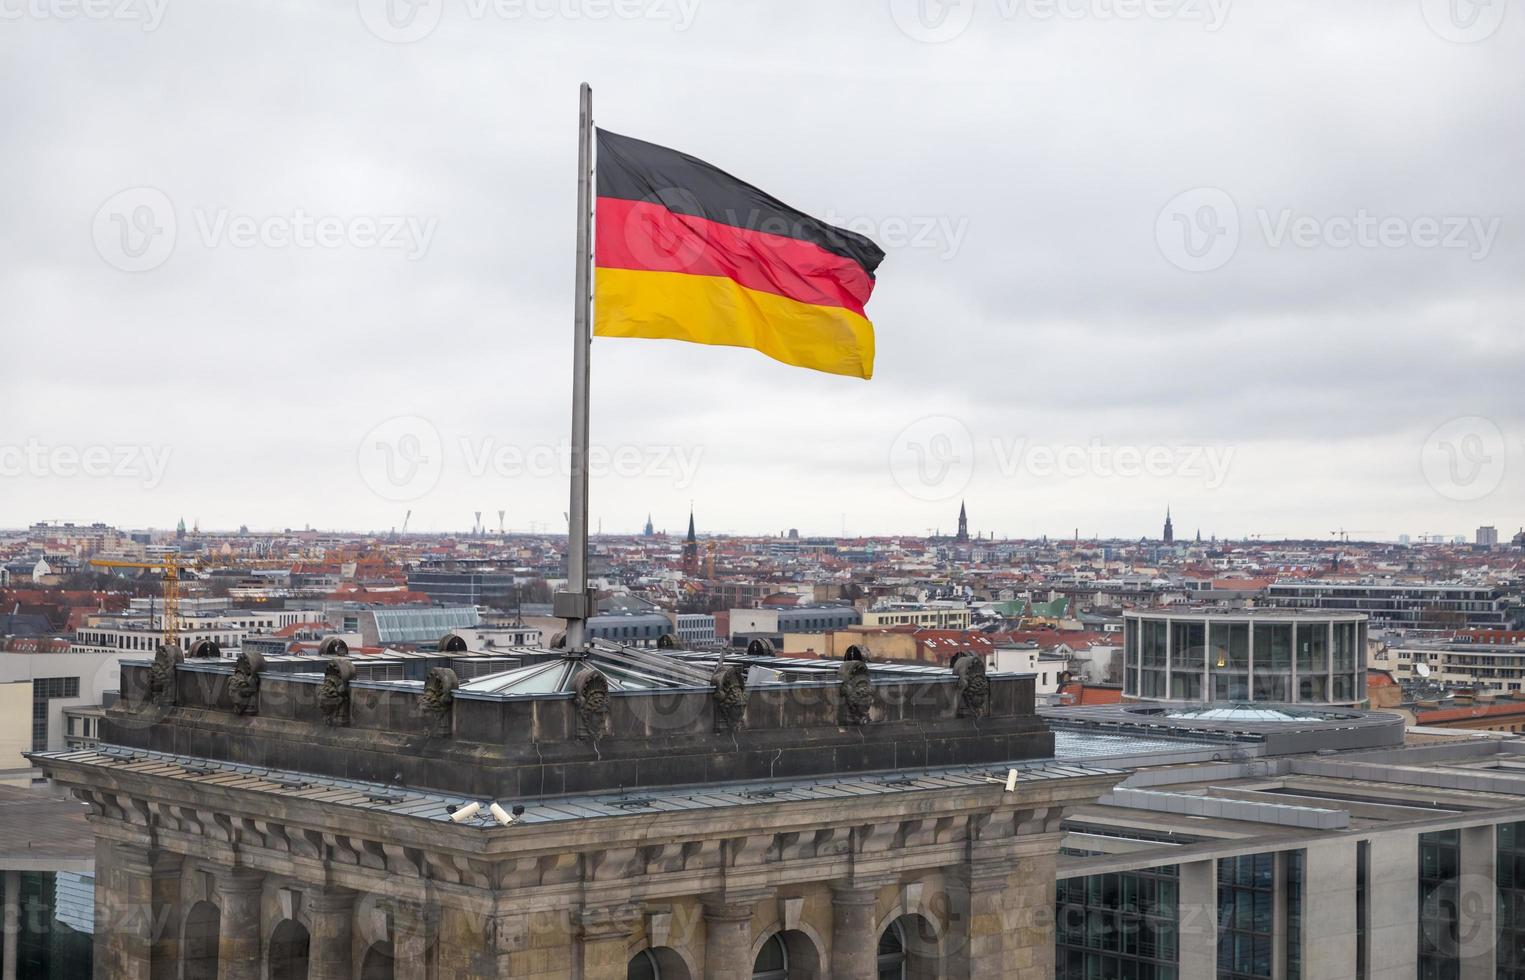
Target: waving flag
[685,251]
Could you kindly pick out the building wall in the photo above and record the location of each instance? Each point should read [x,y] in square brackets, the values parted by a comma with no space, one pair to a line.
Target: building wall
[970,874]
[95,674]
[15,727]
[928,617]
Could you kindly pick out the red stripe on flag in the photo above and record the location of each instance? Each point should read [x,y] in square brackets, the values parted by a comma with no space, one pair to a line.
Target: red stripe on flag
[644,236]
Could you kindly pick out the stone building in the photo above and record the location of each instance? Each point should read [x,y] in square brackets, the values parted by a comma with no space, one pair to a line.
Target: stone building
[621,815]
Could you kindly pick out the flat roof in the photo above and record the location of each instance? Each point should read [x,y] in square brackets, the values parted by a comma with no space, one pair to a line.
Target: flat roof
[437,807]
[43,832]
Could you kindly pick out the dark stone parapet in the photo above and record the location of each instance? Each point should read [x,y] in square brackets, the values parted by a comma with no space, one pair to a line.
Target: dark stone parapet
[523,746]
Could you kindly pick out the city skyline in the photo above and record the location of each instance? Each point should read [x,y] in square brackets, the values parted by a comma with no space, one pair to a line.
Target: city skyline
[1327,358]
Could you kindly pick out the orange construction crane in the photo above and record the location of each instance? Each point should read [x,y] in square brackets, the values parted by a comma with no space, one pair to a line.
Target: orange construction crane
[171,566]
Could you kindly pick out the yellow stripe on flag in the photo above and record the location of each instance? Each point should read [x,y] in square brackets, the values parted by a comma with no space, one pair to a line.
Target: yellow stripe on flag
[717,310]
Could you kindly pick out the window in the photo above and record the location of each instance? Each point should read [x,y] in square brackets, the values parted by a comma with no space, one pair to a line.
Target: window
[1294,905]
[892,953]
[1118,925]
[1510,871]
[44,689]
[1246,916]
[1439,864]
[772,961]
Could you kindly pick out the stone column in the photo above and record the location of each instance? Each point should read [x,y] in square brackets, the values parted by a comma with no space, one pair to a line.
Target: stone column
[728,939]
[12,913]
[413,935]
[1329,910]
[330,952]
[167,913]
[603,935]
[1477,903]
[854,946]
[124,911]
[1199,919]
[1392,902]
[977,933]
[240,931]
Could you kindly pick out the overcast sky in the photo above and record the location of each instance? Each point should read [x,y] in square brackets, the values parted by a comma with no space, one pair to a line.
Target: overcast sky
[310,263]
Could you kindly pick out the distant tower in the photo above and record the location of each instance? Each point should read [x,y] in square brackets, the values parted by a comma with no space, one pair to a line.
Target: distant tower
[691,549]
[1170,528]
[650,530]
[963,524]
[180,529]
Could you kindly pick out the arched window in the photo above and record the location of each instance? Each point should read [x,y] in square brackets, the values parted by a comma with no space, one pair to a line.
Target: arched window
[908,950]
[288,951]
[644,966]
[772,960]
[892,953]
[657,963]
[377,964]
[203,924]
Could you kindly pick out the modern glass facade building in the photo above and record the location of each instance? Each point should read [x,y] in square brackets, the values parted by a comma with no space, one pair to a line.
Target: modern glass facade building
[1272,656]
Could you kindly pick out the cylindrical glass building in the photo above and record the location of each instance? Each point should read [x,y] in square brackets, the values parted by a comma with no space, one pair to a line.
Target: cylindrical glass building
[1245,655]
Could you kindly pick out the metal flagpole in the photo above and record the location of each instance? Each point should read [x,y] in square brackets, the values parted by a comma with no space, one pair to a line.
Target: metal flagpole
[575,605]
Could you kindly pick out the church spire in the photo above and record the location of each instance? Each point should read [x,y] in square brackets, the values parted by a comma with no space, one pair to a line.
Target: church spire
[691,548]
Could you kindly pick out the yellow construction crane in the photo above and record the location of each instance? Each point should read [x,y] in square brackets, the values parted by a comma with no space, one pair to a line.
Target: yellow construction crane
[171,566]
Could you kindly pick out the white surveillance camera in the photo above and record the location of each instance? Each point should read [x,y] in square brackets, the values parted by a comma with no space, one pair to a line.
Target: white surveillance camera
[501,815]
[466,812]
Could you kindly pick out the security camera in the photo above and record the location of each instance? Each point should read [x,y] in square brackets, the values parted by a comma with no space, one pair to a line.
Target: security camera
[501,815]
[465,813]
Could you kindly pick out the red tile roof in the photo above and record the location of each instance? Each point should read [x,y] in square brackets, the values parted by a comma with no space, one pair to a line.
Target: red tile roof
[1082,695]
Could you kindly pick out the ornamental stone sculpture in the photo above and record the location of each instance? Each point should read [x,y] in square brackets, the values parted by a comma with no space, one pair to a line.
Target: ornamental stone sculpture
[161,676]
[973,685]
[730,696]
[438,701]
[334,695]
[243,686]
[856,688]
[590,691]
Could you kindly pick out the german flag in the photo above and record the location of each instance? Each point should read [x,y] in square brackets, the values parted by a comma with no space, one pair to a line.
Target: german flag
[687,252]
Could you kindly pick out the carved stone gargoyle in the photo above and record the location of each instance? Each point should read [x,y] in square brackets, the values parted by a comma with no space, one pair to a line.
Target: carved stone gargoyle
[161,677]
[333,696]
[590,690]
[856,688]
[730,694]
[438,701]
[973,685]
[243,686]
